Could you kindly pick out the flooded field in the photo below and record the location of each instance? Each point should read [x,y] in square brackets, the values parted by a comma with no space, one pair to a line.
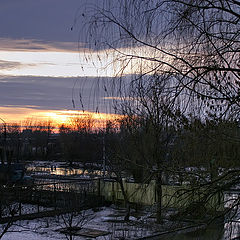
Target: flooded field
[229,229]
[62,171]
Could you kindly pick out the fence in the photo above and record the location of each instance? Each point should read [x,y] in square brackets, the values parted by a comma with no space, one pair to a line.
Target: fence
[143,194]
[47,197]
[172,196]
[63,194]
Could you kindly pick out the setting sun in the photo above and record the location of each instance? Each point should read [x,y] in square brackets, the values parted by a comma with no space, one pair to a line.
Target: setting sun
[56,117]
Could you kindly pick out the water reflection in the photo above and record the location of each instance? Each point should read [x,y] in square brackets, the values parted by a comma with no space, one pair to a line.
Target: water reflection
[62,171]
[228,230]
[67,186]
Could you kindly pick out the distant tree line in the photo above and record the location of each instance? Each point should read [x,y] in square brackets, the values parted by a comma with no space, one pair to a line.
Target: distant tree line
[76,141]
[130,138]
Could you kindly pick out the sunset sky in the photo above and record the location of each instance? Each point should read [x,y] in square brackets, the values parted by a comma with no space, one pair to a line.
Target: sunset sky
[41,61]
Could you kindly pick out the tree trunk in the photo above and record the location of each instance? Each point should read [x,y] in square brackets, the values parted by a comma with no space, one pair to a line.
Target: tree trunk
[126,201]
[159,197]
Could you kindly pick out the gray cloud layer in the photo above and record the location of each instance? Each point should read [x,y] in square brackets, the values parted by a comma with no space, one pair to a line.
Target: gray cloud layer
[49,21]
[7,44]
[7,65]
[45,25]
[44,19]
[53,93]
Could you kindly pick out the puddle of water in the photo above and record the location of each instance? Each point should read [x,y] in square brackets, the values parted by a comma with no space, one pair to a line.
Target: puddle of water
[61,171]
[211,233]
[227,231]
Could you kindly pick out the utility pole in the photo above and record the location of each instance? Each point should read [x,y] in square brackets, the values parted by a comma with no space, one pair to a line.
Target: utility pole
[104,155]
[4,156]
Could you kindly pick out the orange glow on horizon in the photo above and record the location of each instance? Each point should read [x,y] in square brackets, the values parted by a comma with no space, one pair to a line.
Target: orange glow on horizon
[67,117]
[56,117]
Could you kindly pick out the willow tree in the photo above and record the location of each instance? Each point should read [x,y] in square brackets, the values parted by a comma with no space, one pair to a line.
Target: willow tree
[189,48]
[143,143]
[197,42]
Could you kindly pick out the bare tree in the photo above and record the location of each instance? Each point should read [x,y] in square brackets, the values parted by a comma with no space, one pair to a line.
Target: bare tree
[80,142]
[174,61]
[143,144]
[73,222]
[7,210]
[197,43]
